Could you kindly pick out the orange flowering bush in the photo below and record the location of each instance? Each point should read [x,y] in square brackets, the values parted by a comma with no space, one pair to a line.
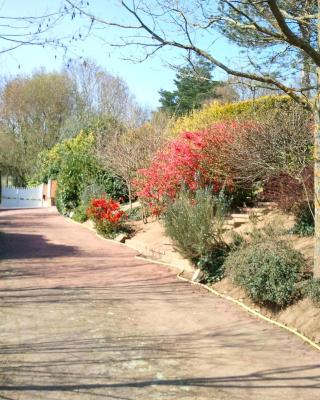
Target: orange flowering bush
[107,216]
[193,160]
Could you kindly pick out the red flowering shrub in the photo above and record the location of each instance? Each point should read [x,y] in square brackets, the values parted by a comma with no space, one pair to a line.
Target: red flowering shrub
[107,216]
[192,161]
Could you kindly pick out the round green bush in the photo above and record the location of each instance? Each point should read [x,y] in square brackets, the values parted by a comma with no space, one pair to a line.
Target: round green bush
[268,271]
[313,291]
[80,213]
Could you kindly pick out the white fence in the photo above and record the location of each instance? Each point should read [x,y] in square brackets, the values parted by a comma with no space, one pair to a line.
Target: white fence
[15,197]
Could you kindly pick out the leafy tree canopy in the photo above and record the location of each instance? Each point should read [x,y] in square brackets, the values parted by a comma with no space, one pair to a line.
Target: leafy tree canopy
[194,86]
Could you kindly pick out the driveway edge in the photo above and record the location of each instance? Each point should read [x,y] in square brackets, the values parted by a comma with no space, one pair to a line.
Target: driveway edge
[208,288]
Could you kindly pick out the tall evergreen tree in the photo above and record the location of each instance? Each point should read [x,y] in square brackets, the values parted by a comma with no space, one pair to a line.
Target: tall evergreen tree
[194,86]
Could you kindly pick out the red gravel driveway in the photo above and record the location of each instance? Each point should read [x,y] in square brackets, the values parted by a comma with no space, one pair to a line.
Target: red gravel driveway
[82,318]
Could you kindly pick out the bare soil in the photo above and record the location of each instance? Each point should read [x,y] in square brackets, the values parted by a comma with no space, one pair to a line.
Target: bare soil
[150,240]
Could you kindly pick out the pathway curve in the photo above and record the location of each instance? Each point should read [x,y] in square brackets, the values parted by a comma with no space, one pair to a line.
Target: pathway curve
[83,319]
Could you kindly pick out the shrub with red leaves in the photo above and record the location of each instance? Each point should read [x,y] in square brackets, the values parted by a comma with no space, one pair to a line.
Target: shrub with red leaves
[193,160]
[289,192]
[107,216]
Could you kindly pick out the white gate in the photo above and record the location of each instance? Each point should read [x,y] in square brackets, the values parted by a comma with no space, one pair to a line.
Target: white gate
[15,197]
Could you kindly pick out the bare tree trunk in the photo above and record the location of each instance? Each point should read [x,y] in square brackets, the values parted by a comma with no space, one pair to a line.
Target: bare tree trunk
[306,77]
[130,194]
[316,267]
[306,66]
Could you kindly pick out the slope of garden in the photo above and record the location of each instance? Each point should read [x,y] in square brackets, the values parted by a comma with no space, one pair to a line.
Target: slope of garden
[200,175]
[304,316]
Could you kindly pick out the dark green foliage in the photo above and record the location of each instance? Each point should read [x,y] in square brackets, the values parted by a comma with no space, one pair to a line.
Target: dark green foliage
[267,267]
[74,165]
[212,262]
[304,219]
[237,241]
[92,191]
[195,224]
[105,185]
[194,85]
[108,231]
[58,202]
[80,213]
[312,290]
[79,166]
[79,173]
[134,214]
[114,186]
[243,196]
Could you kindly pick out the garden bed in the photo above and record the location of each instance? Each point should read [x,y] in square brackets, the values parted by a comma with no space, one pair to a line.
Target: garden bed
[304,316]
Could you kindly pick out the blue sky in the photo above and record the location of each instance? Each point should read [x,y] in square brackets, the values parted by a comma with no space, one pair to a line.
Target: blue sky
[144,79]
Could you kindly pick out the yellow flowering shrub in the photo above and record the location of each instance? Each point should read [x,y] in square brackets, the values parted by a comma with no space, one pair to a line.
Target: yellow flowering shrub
[209,114]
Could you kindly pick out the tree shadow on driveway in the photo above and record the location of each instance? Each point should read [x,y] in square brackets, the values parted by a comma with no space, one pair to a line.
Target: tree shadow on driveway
[15,246]
[119,365]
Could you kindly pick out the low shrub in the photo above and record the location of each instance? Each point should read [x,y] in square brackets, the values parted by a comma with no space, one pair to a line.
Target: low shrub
[92,191]
[304,219]
[313,291]
[107,216]
[195,224]
[80,213]
[112,185]
[109,186]
[59,203]
[211,263]
[267,267]
[134,214]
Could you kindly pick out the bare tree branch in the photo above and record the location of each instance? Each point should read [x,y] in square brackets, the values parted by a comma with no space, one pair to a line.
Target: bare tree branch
[290,36]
